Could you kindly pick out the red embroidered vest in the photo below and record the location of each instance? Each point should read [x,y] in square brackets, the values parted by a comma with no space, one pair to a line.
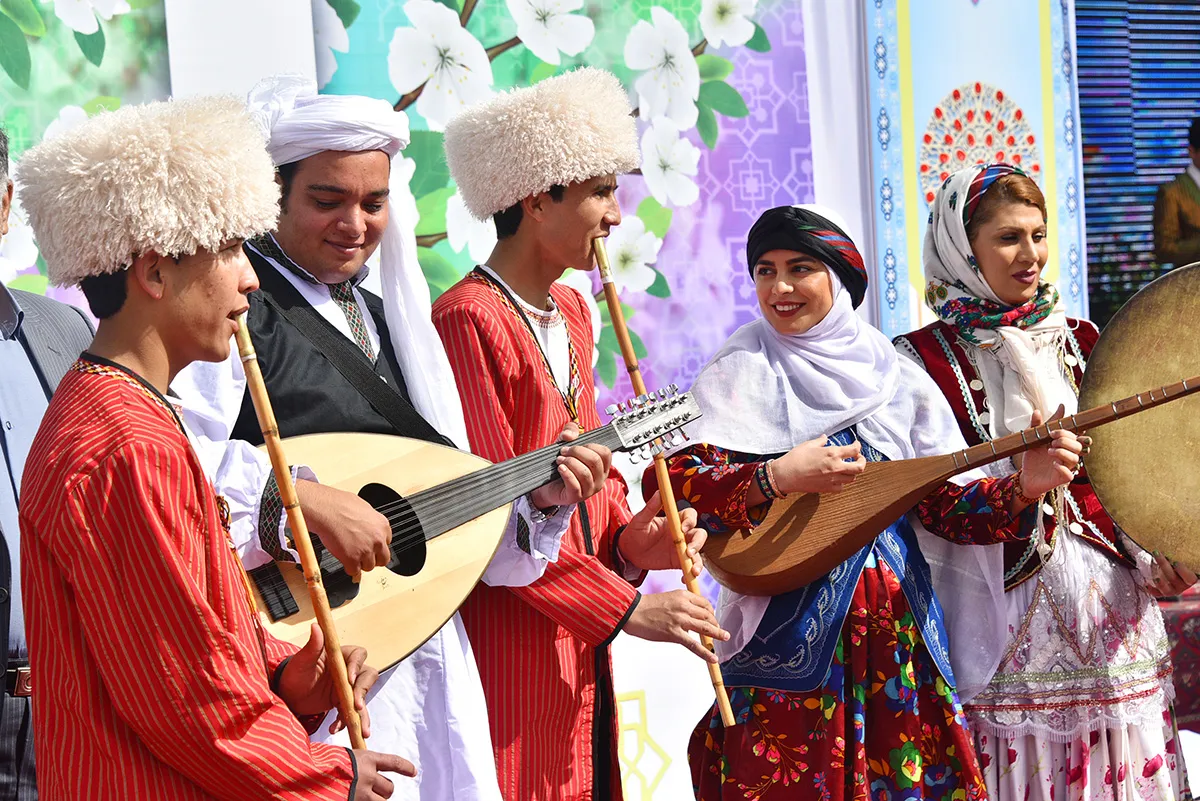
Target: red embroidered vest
[952,369]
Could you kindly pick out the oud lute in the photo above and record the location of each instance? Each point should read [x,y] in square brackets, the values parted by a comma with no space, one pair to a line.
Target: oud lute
[805,536]
[448,510]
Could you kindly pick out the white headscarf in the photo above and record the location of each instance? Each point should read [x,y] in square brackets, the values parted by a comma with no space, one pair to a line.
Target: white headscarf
[299,123]
[766,392]
[1020,365]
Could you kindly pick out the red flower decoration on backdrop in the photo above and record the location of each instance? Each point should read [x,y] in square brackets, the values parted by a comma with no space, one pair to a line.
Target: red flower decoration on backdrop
[975,124]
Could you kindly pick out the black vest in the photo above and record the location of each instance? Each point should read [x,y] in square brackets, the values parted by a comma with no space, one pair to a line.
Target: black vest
[308,394]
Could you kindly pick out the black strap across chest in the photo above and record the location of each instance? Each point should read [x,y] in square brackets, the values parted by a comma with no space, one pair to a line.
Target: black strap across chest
[345,356]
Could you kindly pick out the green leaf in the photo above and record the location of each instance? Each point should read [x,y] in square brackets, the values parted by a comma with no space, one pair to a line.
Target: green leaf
[36,284]
[432,208]
[606,367]
[720,96]
[347,11]
[606,319]
[713,68]
[451,4]
[655,216]
[706,124]
[26,15]
[639,350]
[440,274]
[759,42]
[102,103]
[660,288]
[432,173]
[14,52]
[137,4]
[541,72]
[92,45]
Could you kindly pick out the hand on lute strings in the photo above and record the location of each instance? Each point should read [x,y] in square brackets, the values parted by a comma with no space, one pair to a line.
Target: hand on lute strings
[813,466]
[1052,465]
[351,529]
[582,471]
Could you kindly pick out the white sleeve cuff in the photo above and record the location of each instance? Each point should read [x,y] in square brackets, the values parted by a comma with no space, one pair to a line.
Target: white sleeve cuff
[531,541]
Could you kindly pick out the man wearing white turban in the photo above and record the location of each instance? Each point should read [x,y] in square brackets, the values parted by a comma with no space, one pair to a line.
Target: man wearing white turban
[333,159]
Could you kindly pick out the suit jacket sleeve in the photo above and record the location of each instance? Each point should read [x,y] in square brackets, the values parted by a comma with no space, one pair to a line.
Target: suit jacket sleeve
[1170,245]
[578,592]
[141,569]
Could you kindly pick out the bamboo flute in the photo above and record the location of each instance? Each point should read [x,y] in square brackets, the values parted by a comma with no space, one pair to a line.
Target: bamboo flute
[308,559]
[660,465]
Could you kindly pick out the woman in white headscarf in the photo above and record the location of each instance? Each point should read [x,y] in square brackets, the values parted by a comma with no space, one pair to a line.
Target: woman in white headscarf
[843,688]
[1079,706]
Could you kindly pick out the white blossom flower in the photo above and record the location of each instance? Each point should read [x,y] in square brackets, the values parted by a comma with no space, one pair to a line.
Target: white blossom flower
[80,15]
[18,252]
[548,26]
[727,21]
[68,117]
[671,81]
[668,162]
[631,250]
[463,230]
[439,53]
[582,283]
[329,34]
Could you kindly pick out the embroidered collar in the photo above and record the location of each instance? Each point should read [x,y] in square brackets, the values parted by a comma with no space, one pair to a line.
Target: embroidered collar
[98,365]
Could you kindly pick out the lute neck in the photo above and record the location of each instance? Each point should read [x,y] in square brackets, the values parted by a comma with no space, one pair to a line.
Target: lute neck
[1012,444]
[463,499]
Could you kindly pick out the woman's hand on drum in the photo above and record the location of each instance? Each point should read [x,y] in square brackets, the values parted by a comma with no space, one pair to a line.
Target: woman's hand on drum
[1053,465]
[1169,578]
[813,467]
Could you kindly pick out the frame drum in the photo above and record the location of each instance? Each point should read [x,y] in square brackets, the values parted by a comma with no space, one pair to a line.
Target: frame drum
[1144,468]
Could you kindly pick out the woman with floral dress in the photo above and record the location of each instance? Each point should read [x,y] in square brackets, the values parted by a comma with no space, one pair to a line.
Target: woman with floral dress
[1079,706]
[842,689]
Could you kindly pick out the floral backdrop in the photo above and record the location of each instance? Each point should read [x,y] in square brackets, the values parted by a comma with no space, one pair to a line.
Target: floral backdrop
[60,62]
[719,87]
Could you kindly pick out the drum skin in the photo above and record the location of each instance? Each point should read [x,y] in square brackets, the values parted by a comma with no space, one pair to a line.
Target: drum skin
[1146,468]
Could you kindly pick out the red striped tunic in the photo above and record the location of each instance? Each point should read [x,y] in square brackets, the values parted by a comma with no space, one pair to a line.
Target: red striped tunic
[149,677]
[537,646]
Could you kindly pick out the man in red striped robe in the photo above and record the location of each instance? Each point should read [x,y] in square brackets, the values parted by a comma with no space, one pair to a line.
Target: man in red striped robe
[152,677]
[541,162]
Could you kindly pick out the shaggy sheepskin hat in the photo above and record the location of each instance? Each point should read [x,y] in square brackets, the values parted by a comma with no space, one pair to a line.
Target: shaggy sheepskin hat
[173,177]
[563,130]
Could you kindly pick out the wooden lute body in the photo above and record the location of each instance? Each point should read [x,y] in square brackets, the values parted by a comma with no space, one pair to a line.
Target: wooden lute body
[805,536]
[448,510]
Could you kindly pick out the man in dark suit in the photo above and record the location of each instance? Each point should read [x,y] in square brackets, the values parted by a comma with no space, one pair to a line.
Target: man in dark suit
[1177,210]
[39,339]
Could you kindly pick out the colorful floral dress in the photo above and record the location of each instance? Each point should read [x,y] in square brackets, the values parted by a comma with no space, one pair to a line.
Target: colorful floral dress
[845,690]
[1080,707]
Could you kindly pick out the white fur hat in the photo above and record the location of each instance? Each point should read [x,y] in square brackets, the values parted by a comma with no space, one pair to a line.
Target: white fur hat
[173,177]
[563,130]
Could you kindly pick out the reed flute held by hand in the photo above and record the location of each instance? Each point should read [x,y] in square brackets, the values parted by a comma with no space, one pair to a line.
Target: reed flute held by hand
[308,558]
[660,465]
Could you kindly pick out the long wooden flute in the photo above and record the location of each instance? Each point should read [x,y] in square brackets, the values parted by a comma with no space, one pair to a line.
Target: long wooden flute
[660,465]
[308,559]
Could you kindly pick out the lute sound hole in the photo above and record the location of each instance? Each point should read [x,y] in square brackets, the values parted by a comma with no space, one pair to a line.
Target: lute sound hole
[408,538]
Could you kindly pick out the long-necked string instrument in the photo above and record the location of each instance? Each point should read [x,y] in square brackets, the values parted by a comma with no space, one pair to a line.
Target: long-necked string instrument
[805,536]
[308,559]
[660,464]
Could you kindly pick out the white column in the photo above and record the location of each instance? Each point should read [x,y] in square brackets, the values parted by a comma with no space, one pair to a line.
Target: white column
[839,114]
[226,46]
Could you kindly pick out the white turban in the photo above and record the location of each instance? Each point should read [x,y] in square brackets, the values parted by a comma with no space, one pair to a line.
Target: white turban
[299,123]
